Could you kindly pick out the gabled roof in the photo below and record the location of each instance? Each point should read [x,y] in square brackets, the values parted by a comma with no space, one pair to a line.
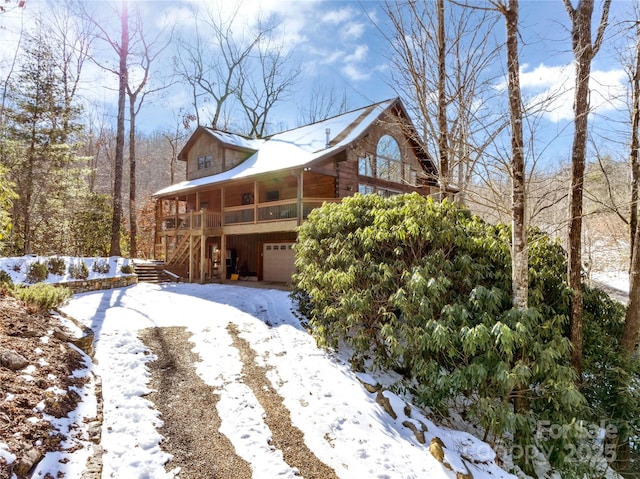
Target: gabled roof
[295,148]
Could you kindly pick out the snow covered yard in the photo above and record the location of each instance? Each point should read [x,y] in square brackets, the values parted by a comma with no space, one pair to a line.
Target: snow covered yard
[342,423]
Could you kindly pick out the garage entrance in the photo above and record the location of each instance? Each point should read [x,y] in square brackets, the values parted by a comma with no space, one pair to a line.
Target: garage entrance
[278,261]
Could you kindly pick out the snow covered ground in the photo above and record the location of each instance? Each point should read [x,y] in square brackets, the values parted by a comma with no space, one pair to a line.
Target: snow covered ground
[342,423]
[18,266]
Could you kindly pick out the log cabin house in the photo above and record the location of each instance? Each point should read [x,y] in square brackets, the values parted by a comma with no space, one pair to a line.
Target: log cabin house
[243,199]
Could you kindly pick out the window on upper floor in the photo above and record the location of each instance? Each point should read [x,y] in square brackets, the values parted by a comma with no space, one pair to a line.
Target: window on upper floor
[366,165]
[388,159]
[387,164]
[204,162]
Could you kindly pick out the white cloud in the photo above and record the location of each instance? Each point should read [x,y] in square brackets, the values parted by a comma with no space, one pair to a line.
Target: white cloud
[359,55]
[336,17]
[181,17]
[353,30]
[354,73]
[550,89]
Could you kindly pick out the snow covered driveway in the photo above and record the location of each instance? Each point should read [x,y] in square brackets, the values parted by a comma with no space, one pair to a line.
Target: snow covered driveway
[342,423]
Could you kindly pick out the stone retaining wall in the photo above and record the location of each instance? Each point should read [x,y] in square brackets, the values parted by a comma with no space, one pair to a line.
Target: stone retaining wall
[86,285]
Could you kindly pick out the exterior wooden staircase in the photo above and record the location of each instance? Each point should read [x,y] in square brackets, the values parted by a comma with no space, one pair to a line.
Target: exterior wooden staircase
[178,256]
[153,272]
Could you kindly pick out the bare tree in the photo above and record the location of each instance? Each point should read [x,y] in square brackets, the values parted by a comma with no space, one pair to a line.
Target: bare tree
[634,161]
[175,137]
[632,319]
[519,253]
[211,62]
[74,34]
[10,70]
[584,50]
[259,91]
[445,79]
[146,52]
[324,102]
[122,49]
[443,137]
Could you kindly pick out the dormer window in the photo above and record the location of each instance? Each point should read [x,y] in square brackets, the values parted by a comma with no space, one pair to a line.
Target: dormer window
[204,162]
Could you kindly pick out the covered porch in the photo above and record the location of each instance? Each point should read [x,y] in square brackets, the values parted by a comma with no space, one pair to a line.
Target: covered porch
[197,232]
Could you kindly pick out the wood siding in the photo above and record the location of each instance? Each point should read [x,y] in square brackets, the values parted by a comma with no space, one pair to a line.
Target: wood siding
[222,159]
[316,185]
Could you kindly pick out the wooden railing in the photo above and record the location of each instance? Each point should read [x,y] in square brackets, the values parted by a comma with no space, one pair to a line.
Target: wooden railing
[193,220]
[245,214]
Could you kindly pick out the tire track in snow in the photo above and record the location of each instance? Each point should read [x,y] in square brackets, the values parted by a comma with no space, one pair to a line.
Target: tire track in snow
[286,437]
[191,424]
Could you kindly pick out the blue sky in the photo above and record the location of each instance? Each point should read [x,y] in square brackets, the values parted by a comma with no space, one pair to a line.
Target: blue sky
[338,47]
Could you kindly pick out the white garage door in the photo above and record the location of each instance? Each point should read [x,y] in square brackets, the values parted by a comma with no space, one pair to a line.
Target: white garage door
[277,261]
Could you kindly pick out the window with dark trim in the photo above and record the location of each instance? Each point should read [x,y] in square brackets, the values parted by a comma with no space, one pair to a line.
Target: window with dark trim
[204,162]
[388,159]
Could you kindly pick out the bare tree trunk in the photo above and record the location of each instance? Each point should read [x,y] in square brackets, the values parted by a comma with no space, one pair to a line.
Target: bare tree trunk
[445,54]
[633,154]
[519,252]
[443,140]
[632,319]
[584,51]
[114,249]
[133,219]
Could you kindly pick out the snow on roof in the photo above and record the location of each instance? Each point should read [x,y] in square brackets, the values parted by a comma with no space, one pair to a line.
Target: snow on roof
[236,140]
[290,149]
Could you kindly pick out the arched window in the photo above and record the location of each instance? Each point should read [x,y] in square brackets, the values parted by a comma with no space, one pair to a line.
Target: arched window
[388,159]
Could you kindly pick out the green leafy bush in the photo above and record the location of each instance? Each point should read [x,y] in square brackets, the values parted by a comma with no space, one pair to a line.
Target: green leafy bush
[37,272]
[78,270]
[56,265]
[43,297]
[100,266]
[425,288]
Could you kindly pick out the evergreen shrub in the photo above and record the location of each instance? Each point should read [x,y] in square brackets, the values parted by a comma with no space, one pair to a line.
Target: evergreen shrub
[43,297]
[37,272]
[424,288]
[56,265]
[5,278]
[78,270]
[100,266]
[127,268]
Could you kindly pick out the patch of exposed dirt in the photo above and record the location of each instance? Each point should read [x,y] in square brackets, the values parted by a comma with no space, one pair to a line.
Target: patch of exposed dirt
[286,437]
[41,388]
[191,423]
[188,406]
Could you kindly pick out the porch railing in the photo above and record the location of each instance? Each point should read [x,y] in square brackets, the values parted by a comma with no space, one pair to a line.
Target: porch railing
[266,212]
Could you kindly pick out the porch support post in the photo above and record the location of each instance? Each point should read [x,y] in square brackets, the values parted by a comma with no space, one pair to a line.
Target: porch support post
[203,240]
[165,247]
[255,202]
[300,178]
[175,212]
[191,261]
[223,258]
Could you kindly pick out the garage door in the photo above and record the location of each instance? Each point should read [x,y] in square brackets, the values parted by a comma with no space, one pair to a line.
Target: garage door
[277,261]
